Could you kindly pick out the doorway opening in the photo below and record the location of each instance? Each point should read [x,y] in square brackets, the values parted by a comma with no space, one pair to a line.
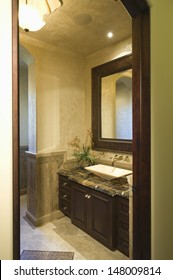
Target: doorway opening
[139,11]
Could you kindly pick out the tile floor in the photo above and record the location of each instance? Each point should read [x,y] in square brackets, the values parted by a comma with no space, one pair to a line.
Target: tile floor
[62,235]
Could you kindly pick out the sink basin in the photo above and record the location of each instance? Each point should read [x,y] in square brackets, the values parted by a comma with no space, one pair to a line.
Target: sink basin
[108,172]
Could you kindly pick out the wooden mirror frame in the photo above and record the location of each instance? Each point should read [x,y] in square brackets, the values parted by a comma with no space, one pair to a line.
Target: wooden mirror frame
[112,67]
[140,13]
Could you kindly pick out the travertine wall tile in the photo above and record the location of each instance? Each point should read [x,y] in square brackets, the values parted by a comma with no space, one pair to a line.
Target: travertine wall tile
[42,184]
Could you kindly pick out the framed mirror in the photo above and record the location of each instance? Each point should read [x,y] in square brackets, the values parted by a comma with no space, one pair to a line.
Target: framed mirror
[112,105]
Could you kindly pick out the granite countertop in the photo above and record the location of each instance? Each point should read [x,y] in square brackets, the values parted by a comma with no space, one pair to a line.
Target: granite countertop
[119,186]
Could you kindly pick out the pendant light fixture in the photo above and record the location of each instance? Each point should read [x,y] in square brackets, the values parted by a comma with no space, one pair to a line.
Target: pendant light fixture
[30,16]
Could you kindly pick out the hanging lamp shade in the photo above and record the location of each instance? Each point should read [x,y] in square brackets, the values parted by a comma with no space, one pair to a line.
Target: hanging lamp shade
[29,18]
[31,13]
[53,4]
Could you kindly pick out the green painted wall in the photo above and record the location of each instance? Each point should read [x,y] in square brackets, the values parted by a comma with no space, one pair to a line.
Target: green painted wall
[162,128]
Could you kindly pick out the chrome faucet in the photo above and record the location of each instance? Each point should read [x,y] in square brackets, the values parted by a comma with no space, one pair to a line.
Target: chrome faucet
[116,158]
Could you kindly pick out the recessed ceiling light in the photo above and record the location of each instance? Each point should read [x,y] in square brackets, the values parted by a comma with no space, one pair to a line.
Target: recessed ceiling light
[110,34]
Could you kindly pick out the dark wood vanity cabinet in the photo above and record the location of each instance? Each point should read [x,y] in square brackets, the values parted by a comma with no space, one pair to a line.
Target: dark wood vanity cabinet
[64,195]
[123,225]
[94,212]
[102,216]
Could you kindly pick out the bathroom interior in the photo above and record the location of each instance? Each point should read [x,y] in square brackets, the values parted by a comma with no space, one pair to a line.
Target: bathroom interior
[59,100]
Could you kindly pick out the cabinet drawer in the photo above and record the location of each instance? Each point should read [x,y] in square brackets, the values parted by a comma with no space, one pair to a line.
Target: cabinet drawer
[64,183]
[123,206]
[124,225]
[65,208]
[123,232]
[123,245]
[124,217]
[64,195]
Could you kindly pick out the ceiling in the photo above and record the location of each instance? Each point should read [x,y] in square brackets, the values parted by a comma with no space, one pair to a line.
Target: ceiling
[81,25]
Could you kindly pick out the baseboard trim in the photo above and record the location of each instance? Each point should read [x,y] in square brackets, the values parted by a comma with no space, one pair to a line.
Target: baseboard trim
[44,219]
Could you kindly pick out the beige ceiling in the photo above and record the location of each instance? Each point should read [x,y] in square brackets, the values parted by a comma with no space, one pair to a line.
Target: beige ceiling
[81,25]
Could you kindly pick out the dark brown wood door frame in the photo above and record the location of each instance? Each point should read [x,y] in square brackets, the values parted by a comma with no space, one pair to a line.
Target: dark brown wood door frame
[15,114]
[142,138]
[140,13]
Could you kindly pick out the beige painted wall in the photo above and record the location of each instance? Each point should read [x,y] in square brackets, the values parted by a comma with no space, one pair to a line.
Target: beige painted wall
[60,95]
[23,83]
[63,92]
[6,241]
[30,87]
[162,128]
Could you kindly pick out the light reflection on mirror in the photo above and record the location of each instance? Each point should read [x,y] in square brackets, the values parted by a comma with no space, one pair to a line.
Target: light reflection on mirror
[116,106]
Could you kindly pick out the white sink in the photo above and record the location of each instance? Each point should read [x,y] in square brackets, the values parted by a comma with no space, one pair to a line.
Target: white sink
[108,172]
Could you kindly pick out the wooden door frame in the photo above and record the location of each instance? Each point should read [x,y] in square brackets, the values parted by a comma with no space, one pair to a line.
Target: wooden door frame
[15,132]
[140,13]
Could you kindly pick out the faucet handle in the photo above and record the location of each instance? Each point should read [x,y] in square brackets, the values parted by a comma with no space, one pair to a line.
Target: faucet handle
[120,157]
[117,158]
[127,159]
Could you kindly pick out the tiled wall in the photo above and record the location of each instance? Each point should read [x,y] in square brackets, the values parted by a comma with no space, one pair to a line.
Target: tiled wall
[42,186]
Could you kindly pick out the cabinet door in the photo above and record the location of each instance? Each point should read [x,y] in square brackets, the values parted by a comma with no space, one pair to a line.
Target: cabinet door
[101,218]
[93,212]
[79,206]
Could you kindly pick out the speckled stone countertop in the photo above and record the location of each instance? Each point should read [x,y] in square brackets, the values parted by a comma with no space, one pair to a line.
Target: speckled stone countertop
[113,187]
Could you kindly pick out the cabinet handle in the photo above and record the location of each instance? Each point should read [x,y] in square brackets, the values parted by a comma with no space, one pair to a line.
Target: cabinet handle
[65,208]
[87,196]
[65,195]
[65,184]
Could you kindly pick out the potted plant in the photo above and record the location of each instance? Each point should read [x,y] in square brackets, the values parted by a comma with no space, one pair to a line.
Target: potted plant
[83,151]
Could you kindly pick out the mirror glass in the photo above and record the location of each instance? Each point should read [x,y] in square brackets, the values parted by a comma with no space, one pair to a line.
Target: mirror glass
[116,105]
[112,105]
